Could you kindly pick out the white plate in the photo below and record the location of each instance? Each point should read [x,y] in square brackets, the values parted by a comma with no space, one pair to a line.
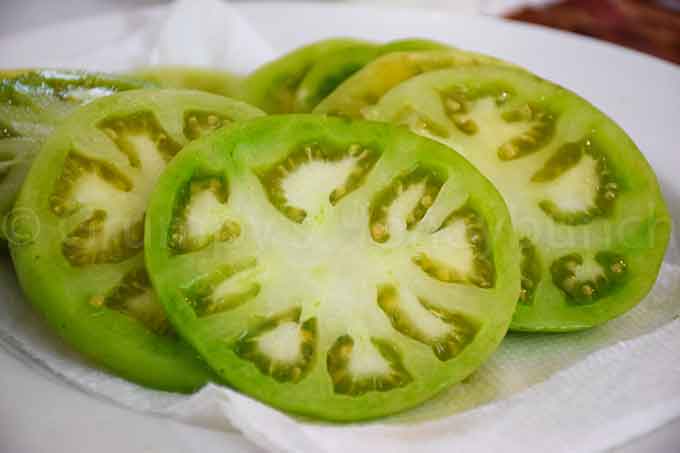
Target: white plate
[39,413]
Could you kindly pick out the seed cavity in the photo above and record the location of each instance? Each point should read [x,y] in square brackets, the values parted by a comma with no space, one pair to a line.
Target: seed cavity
[458,251]
[287,182]
[530,267]
[586,281]
[456,106]
[92,184]
[94,241]
[468,108]
[141,138]
[111,198]
[582,186]
[419,123]
[404,202]
[281,347]
[226,288]
[134,297]
[199,122]
[372,365]
[81,173]
[201,214]
[564,159]
[446,332]
[6,131]
[541,128]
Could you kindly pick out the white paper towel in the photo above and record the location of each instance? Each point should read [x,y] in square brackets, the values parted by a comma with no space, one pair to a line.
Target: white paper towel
[538,392]
[207,33]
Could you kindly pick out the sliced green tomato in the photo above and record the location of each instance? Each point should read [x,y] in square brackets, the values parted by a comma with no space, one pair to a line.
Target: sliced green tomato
[32,103]
[338,269]
[78,238]
[273,86]
[334,68]
[369,84]
[192,78]
[585,203]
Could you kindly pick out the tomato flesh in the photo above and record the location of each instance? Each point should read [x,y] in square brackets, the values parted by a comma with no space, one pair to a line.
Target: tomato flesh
[339,269]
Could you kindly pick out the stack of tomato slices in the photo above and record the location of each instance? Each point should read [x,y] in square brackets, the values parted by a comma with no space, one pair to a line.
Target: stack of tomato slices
[343,234]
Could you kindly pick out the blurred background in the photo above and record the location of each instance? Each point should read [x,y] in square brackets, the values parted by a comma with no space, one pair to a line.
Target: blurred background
[651,26]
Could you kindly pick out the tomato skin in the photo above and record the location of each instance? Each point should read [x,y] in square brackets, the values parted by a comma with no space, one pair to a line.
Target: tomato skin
[173,366]
[299,80]
[271,87]
[259,142]
[333,69]
[69,295]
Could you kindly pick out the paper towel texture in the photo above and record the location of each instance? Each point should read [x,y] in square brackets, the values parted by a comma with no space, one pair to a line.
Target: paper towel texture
[538,392]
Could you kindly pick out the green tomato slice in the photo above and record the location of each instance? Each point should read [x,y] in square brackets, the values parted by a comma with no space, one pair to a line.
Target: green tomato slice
[332,69]
[78,238]
[337,269]
[273,86]
[32,103]
[585,203]
[368,85]
[191,78]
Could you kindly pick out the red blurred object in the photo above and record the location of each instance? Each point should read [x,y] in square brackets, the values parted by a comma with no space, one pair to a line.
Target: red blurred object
[649,26]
